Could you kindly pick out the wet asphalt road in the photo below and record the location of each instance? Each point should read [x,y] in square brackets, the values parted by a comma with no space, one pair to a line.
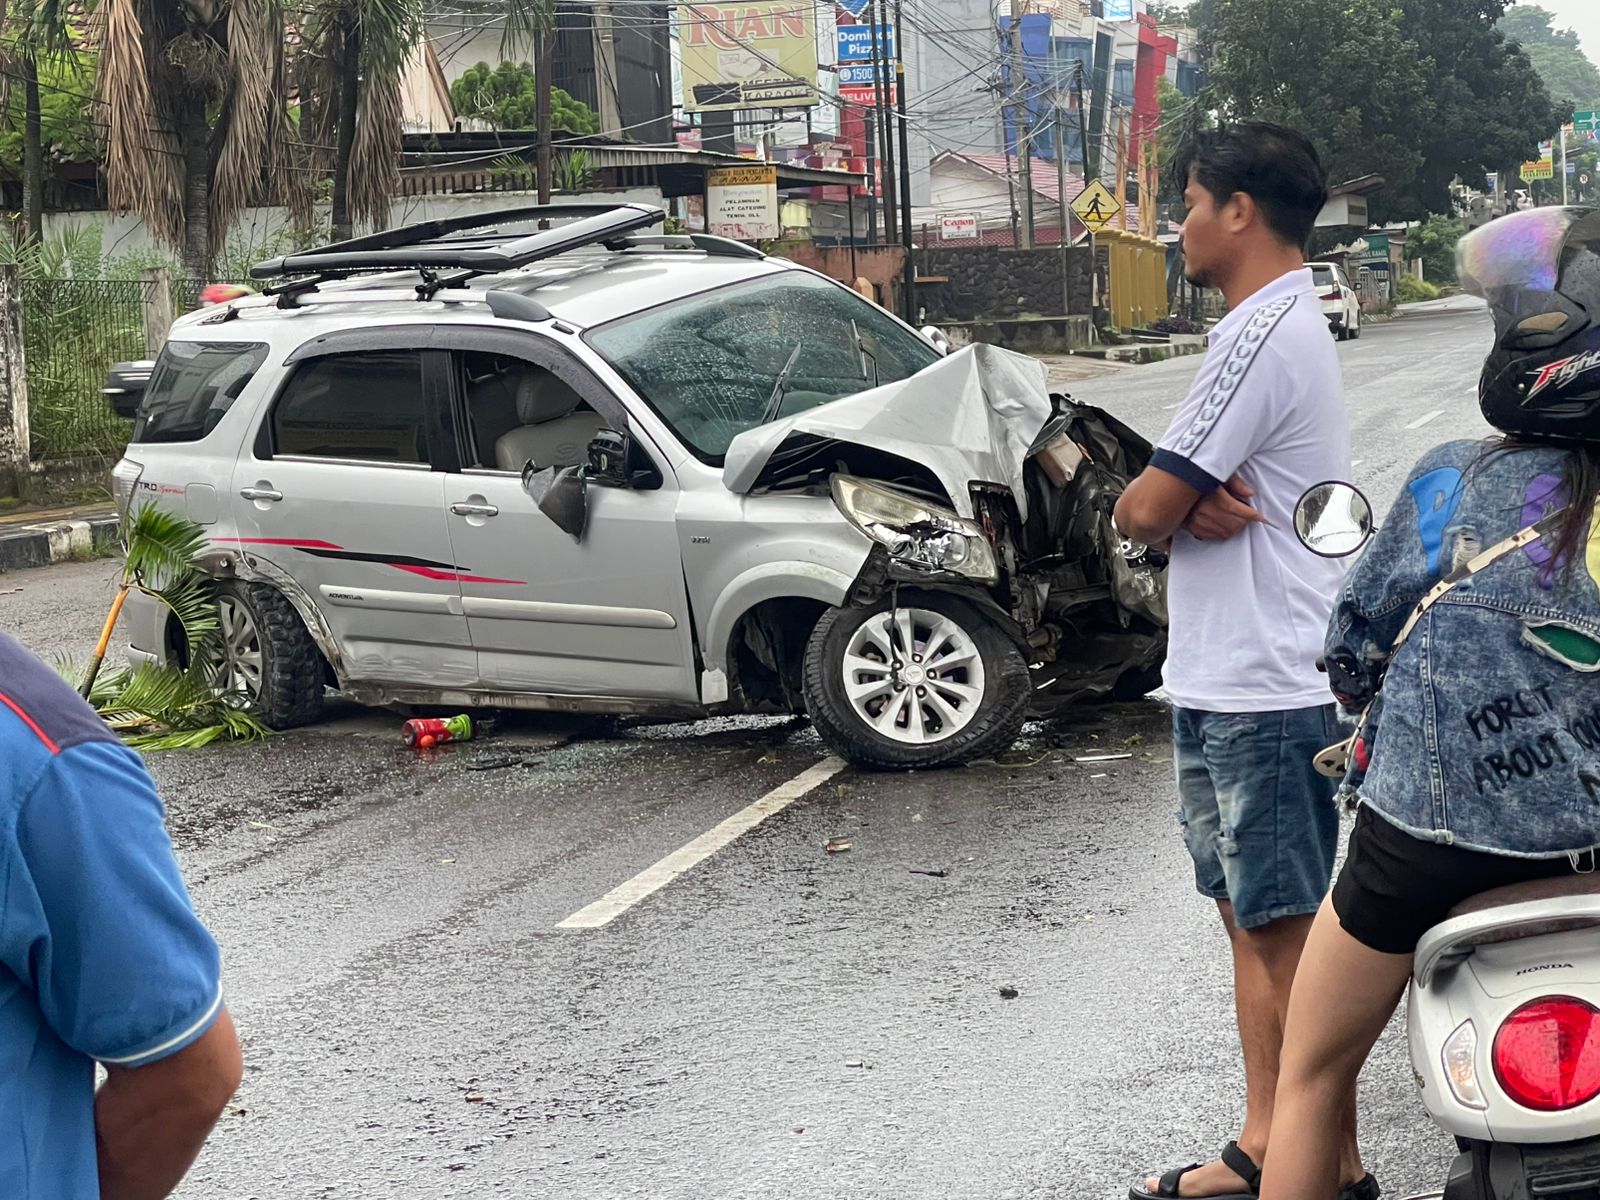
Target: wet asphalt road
[780,1021]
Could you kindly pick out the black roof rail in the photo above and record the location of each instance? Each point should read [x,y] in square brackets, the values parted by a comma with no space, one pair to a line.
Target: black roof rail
[427,244]
[706,243]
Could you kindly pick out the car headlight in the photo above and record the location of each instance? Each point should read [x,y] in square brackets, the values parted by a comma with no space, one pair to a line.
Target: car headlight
[924,535]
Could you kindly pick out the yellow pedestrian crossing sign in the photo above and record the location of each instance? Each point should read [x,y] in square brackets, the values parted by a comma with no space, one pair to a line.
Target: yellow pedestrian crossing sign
[1095,206]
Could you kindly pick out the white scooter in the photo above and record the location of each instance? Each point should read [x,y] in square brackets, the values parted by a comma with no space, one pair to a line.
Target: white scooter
[1503,1012]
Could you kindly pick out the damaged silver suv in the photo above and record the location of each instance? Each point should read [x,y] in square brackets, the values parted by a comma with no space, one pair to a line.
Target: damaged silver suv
[587,469]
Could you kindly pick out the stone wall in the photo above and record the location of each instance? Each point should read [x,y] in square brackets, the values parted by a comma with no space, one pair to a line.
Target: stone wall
[984,282]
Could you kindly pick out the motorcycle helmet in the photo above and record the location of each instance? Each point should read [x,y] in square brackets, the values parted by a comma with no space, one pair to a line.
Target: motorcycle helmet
[1540,272]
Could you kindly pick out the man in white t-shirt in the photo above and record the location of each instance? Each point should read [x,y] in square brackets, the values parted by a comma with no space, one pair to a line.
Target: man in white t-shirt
[1264,421]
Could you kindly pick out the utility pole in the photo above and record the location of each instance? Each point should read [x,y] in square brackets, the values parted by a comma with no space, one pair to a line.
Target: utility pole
[869,136]
[1061,196]
[1019,117]
[1563,166]
[1083,149]
[909,287]
[880,80]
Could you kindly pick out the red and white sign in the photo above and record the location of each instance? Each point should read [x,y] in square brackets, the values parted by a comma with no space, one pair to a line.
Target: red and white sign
[866,96]
[954,227]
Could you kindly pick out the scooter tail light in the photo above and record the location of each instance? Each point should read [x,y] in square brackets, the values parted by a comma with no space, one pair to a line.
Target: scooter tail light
[1460,1059]
[1547,1053]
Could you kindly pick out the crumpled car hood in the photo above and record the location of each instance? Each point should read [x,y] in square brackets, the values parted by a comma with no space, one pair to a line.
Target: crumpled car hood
[969,418]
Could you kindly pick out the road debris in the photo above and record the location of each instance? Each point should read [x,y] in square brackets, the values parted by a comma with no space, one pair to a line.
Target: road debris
[1099,758]
[1007,992]
[426,732]
[936,873]
[837,845]
[493,764]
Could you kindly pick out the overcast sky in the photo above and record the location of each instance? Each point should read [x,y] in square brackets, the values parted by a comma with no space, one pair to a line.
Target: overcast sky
[1582,15]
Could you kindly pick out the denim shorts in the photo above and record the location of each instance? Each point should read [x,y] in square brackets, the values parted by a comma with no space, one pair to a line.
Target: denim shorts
[1260,823]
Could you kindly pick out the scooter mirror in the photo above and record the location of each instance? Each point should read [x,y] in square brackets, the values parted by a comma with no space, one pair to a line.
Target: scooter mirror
[1333,520]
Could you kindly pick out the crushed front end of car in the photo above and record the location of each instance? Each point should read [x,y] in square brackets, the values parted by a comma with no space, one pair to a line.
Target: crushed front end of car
[972,477]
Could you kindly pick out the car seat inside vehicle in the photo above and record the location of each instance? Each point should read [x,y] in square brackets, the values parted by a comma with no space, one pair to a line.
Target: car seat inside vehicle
[556,425]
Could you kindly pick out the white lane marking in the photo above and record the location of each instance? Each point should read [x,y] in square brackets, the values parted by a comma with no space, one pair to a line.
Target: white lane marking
[1170,407]
[652,879]
[1425,418]
[1356,463]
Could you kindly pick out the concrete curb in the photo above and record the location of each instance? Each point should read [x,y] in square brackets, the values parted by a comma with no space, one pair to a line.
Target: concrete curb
[56,541]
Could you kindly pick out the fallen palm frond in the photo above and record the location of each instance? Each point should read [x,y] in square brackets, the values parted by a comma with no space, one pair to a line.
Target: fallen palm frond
[167,707]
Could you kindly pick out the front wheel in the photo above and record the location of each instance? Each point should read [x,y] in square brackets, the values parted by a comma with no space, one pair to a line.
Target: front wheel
[932,682]
[269,664]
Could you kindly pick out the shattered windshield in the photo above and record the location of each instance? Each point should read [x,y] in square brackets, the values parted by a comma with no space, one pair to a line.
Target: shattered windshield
[720,363]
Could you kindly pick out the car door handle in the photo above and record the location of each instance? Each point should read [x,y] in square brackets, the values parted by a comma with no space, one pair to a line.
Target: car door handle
[464,509]
[260,493]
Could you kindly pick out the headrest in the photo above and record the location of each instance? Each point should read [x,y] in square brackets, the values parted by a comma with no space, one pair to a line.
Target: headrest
[541,397]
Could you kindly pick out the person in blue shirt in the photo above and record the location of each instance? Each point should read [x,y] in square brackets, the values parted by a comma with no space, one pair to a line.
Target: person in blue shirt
[102,960]
[1480,764]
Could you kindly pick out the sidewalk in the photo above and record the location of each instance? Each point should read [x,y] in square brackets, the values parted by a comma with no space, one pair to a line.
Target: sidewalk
[1074,368]
[37,537]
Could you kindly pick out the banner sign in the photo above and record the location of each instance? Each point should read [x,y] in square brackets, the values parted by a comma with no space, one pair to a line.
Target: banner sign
[753,54]
[742,203]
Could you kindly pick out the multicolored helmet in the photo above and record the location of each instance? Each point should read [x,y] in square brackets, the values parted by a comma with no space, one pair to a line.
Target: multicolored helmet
[221,293]
[1540,272]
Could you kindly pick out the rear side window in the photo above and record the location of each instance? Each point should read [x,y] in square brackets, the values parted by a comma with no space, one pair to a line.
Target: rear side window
[192,385]
[1323,275]
[356,406]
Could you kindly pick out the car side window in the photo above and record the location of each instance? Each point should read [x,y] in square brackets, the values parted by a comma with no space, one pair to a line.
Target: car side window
[369,406]
[519,412]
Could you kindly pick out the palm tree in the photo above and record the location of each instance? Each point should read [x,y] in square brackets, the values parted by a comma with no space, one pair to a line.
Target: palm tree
[192,95]
[534,21]
[35,31]
[356,53]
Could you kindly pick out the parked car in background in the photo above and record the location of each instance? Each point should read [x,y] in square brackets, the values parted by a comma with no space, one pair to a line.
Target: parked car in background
[1340,302]
[586,470]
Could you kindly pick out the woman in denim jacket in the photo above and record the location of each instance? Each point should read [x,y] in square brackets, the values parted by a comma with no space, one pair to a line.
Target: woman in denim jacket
[1480,763]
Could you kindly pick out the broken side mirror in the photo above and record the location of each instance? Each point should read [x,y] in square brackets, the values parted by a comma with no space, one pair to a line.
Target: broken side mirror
[616,460]
[1333,520]
[562,494]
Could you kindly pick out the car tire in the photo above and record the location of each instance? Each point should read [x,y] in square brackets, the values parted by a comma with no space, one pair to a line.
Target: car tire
[917,734]
[1355,331]
[268,657]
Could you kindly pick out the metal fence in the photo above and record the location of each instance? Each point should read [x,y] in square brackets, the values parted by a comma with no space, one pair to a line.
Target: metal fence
[72,331]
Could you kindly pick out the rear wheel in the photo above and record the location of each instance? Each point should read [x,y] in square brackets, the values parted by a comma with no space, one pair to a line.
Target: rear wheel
[932,682]
[269,661]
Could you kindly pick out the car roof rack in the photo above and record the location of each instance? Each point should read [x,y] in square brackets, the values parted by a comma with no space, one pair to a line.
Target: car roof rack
[718,247]
[429,245]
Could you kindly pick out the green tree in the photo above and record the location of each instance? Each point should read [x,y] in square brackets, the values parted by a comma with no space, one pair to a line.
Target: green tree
[1434,242]
[1362,95]
[1491,109]
[38,36]
[506,97]
[67,131]
[1419,91]
[1568,74]
[356,57]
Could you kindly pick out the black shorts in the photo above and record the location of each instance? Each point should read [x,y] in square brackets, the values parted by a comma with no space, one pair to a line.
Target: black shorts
[1395,887]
